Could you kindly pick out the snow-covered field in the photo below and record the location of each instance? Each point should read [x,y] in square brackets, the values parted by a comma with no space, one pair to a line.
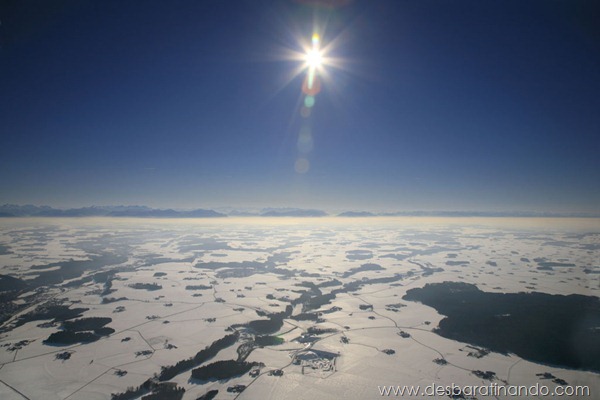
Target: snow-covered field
[174,287]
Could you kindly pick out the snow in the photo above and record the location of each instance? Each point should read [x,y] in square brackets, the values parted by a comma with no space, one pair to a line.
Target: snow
[172,315]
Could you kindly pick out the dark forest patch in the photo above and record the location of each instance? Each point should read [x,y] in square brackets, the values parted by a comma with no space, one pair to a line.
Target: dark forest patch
[539,327]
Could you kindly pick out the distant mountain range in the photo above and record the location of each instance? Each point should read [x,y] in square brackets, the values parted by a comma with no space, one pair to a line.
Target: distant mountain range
[356,214]
[292,212]
[513,214]
[12,210]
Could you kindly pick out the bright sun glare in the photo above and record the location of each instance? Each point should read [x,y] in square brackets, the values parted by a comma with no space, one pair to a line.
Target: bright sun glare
[314,58]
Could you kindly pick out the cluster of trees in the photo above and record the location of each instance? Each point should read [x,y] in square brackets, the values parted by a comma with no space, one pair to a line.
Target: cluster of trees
[63,356]
[313,330]
[271,325]
[147,286]
[51,310]
[68,337]
[107,287]
[544,328]
[86,324]
[107,300]
[306,317]
[158,391]
[165,392]
[267,340]
[208,395]
[83,330]
[197,287]
[266,325]
[333,282]
[225,369]
[206,354]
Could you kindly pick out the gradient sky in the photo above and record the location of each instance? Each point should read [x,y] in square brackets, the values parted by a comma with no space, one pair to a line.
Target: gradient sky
[437,105]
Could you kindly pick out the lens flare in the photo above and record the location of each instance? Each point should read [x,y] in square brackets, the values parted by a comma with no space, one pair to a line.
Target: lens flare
[309,101]
[313,60]
[311,85]
[302,165]
[305,112]
[315,39]
[305,143]
[314,57]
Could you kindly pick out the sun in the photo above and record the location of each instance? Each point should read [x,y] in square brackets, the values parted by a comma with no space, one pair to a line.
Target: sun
[313,59]
[314,56]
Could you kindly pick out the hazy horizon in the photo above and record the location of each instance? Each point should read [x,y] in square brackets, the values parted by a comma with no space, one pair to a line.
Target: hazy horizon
[277,212]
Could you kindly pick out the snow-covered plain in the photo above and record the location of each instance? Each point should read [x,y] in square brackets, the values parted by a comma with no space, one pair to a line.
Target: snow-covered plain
[244,269]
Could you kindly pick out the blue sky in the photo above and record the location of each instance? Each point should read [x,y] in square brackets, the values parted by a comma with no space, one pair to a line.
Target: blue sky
[432,105]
